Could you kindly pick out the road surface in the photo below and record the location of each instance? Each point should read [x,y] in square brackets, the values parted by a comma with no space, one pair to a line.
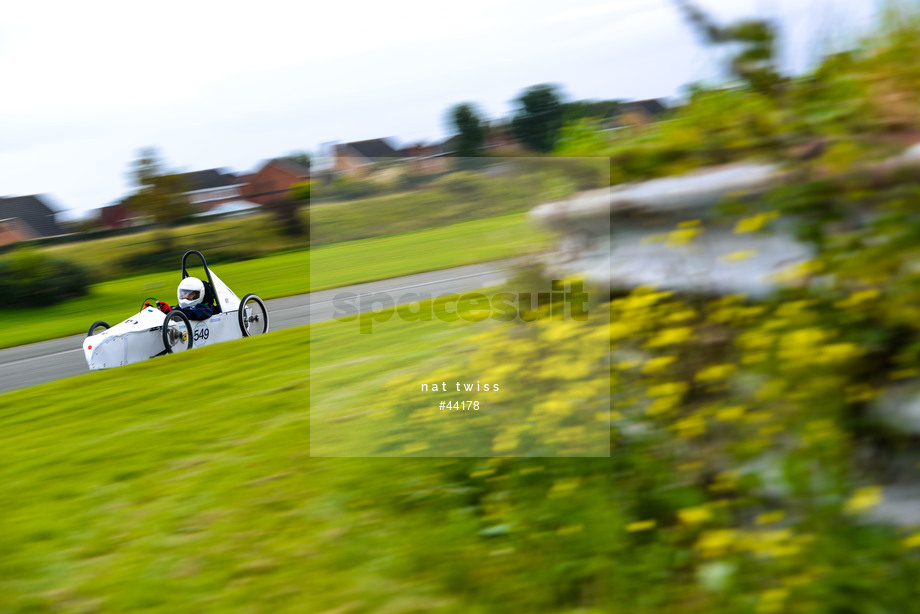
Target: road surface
[37,363]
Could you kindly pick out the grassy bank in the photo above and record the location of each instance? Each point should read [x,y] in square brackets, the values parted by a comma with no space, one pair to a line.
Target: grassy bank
[152,487]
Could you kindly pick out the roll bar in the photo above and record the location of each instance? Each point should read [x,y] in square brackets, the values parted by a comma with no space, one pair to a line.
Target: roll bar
[206,270]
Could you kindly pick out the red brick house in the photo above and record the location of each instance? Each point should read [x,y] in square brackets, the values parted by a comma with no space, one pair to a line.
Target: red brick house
[640,112]
[359,156]
[273,180]
[119,215]
[428,158]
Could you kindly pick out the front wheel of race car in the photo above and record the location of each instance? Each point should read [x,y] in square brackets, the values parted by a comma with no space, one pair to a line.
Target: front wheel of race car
[97,324]
[177,332]
[253,316]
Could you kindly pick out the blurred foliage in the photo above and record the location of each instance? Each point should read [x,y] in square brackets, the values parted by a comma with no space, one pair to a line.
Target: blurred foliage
[346,187]
[754,62]
[578,110]
[286,212]
[731,484]
[538,117]
[301,191]
[866,100]
[467,121]
[29,278]
[303,158]
[160,193]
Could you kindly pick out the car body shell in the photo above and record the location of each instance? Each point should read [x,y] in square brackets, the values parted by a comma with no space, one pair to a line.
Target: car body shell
[141,336]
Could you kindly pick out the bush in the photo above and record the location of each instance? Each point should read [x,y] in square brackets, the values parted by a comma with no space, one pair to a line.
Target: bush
[350,188]
[463,184]
[29,278]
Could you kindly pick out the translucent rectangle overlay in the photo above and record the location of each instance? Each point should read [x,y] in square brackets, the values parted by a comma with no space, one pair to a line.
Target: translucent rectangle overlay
[460,307]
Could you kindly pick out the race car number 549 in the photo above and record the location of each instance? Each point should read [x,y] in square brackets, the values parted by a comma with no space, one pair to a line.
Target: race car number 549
[201,333]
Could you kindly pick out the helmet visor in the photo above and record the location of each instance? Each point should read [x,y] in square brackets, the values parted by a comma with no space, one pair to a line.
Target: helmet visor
[190,295]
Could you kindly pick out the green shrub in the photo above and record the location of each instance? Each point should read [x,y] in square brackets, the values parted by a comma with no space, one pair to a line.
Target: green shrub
[29,278]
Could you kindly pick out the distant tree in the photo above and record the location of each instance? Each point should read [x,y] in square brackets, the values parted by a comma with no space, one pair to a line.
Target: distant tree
[538,117]
[286,210]
[160,194]
[301,191]
[302,158]
[755,62]
[470,127]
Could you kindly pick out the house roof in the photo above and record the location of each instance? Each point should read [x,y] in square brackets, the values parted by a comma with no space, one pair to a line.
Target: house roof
[652,107]
[373,149]
[33,211]
[295,168]
[209,179]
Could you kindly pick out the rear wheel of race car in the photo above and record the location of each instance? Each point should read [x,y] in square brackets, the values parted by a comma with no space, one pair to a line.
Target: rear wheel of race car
[97,324]
[253,316]
[177,332]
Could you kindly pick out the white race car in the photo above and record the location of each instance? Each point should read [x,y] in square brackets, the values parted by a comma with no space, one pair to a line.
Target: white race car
[150,333]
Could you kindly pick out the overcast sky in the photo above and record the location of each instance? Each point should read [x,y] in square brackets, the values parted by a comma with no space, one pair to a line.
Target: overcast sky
[227,84]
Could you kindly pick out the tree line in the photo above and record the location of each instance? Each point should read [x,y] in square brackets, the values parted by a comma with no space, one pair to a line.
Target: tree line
[540,113]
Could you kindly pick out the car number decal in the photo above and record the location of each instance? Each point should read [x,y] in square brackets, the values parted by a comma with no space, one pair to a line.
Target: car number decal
[201,333]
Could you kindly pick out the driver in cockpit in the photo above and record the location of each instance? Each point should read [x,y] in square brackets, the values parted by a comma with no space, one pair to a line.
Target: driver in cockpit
[190,294]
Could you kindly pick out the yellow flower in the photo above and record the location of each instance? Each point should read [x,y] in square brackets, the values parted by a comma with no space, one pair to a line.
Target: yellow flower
[839,352]
[663,405]
[755,223]
[684,236]
[692,426]
[642,525]
[770,517]
[716,372]
[667,389]
[680,316]
[658,364]
[529,470]
[857,298]
[694,515]
[738,256]
[716,542]
[670,336]
[772,600]
[730,413]
[563,488]
[912,542]
[483,472]
[863,499]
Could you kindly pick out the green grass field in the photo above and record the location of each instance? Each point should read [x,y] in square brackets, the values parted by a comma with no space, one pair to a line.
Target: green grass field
[152,487]
[289,273]
[186,484]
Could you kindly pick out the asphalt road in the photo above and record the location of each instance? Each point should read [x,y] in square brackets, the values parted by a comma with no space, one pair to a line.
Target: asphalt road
[37,363]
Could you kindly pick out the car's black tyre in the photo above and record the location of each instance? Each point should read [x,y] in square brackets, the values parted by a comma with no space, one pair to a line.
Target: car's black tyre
[177,332]
[97,324]
[252,316]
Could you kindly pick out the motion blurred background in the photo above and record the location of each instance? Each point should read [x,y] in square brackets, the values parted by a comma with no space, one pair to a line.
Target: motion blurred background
[736,184]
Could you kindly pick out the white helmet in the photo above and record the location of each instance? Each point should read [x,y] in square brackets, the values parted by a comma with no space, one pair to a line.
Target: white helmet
[190,292]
